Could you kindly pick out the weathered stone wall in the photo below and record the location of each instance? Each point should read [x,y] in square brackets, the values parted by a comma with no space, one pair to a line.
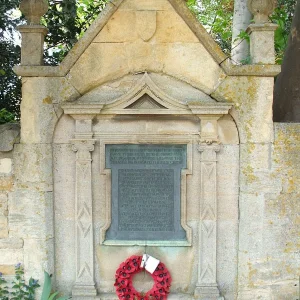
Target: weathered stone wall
[269,235]
[268,273]
[11,249]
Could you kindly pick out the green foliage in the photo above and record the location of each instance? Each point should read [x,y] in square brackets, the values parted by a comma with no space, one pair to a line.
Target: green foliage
[10,84]
[46,294]
[6,117]
[22,291]
[283,16]
[216,16]
[3,288]
[19,290]
[66,21]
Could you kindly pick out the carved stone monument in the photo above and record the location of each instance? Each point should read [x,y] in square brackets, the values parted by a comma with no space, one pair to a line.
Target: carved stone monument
[146,138]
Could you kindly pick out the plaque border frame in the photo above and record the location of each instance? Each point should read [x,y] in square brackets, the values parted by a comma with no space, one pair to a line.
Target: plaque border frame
[146,139]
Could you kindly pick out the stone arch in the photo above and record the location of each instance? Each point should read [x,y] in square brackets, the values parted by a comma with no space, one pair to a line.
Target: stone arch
[100,117]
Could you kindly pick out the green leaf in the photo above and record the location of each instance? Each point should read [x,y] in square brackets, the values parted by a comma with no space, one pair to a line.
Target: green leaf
[47,286]
[53,296]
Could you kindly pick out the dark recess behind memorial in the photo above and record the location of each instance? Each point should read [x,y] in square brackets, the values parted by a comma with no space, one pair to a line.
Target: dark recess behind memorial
[287,87]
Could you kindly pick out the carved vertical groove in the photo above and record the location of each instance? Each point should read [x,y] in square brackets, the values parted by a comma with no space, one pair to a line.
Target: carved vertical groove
[207,264]
[84,283]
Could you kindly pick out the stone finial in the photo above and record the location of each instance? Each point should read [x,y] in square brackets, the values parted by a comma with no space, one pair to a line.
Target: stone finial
[261,9]
[33,10]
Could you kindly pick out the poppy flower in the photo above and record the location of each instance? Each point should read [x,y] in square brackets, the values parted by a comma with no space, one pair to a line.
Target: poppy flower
[121,282]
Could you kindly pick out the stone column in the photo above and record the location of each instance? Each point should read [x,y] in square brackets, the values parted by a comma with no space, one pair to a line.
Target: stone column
[207,287]
[262,32]
[33,34]
[83,145]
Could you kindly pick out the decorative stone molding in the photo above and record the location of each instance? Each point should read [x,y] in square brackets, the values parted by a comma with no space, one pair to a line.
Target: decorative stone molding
[261,9]
[262,32]
[145,139]
[143,20]
[207,269]
[33,10]
[207,287]
[145,98]
[33,34]
[84,283]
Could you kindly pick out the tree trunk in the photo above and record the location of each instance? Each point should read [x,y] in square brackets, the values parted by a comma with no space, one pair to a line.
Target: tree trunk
[287,87]
[241,20]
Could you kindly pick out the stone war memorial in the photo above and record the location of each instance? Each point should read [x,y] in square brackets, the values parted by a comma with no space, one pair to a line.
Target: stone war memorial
[147,139]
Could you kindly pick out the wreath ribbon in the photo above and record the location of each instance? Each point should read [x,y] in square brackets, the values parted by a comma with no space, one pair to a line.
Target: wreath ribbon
[126,271]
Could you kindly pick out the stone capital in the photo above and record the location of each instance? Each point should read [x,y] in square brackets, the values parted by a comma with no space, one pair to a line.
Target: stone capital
[83,148]
[209,129]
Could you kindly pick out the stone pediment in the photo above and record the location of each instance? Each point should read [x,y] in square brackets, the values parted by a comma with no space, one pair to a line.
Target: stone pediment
[145,98]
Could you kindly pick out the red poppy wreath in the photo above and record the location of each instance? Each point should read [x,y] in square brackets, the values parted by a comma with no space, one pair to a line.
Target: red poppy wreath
[132,266]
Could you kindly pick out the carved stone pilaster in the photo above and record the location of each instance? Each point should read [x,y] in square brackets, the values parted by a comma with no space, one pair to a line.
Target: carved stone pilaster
[84,283]
[206,287]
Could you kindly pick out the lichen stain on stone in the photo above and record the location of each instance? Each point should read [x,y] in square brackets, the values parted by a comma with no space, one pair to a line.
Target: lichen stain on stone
[248,172]
[248,127]
[252,87]
[252,272]
[250,147]
[47,100]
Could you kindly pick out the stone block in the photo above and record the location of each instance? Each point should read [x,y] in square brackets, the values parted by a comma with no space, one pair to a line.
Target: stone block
[262,43]
[3,227]
[261,181]
[33,166]
[258,156]
[190,59]
[7,269]
[172,29]
[9,135]
[3,204]
[287,133]
[254,125]
[141,56]
[6,183]
[146,5]
[11,257]
[227,131]
[120,28]
[97,65]
[32,44]
[5,166]
[31,214]
[11,243]
[38,256]
[39,129]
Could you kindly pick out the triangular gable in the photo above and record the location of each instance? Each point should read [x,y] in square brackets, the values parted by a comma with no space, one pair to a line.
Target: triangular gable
[179,6]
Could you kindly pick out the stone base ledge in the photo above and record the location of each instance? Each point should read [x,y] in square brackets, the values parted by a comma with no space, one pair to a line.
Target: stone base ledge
[207,292]
[11,243]
[112,296]
[175,296]
[84,292]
